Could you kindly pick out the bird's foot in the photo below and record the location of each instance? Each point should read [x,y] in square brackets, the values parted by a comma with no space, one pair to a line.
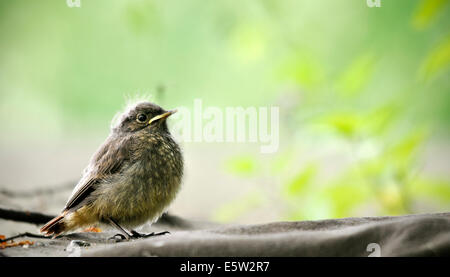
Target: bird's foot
[135,234]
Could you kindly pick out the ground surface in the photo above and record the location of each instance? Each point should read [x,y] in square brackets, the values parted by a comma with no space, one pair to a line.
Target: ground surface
[208,185]
[413,235]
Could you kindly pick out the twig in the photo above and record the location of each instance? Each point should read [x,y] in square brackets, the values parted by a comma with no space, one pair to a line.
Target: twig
[25,216]
[40,218]
[40,191]
[26,234]
[173,221]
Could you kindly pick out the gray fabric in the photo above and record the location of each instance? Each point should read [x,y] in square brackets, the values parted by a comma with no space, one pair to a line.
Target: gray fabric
[413,235]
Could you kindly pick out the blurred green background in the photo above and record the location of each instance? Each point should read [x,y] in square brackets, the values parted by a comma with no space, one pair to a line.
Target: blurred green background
[363,95]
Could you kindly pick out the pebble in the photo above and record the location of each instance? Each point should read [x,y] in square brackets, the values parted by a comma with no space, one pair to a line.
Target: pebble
[74,247]
[76,244]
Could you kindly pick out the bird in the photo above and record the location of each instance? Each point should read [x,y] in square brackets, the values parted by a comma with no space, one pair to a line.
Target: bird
[130,180]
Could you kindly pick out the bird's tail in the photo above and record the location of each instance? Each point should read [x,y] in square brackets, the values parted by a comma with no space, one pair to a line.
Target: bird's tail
[55,226]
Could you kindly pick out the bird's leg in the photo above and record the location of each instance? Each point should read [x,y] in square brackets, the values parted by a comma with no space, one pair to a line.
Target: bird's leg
[135,234]
[124,234]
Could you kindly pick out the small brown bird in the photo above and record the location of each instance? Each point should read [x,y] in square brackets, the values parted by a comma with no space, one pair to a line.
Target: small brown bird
[131,179]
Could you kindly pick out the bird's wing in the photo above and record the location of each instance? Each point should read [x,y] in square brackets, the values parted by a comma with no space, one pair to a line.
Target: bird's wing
[108,160]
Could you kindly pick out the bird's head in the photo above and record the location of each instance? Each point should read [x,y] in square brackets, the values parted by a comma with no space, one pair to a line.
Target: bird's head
[140,116]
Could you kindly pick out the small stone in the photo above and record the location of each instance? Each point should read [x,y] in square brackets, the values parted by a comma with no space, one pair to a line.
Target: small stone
[81,243]
[74,247]
[74,244]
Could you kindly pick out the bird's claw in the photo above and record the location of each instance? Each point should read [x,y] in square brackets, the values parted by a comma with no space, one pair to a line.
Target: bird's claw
[136,235]
[118,237]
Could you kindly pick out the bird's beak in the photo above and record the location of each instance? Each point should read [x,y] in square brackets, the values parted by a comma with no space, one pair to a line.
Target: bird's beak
[164,115]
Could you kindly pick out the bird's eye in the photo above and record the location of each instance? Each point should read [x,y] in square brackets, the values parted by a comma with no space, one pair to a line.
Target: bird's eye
[141,118]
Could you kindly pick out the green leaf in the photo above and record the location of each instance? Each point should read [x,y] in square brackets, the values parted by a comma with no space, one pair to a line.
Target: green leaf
[141,16]
[438,61]
[390,198]
[282,161]
[244,165]
[373,168]
[433,188]
[298,184]
[248,42]
[356,76]
[426,12]
[346,124]
[404,151]
[381,118]
[304,70]
[345,197]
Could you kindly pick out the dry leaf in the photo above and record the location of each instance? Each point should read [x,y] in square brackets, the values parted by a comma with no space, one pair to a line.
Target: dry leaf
[6,244]
[93,230]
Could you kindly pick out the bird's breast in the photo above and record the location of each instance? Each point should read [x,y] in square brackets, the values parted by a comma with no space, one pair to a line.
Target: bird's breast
[159,174]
